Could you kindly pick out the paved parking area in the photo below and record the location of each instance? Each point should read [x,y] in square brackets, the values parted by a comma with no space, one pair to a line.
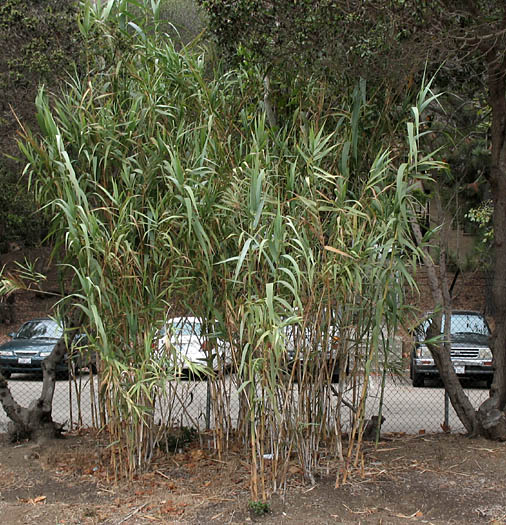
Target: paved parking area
[406,409]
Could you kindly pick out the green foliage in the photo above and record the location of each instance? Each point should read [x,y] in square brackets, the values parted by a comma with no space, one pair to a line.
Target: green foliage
[461,129]
[323,37]
[170,193]
[481,217]
[259,508]
[183,18]
[335,38]
[19,221]
[38,42]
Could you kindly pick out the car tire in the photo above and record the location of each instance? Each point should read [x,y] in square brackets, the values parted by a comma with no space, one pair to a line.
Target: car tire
[6,373]
[418,380]
[489,382]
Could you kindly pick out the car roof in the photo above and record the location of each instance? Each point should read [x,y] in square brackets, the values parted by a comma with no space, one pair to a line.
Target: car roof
[470,312]
[461,312]
[39,319]
[176,320]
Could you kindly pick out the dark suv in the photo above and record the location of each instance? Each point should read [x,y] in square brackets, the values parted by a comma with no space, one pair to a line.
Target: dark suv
[470,351]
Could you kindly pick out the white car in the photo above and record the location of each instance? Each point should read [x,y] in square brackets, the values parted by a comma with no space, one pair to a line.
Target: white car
[182,345]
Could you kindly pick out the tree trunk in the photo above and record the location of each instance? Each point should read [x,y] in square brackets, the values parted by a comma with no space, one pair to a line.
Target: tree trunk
[35,421]
[268,104]
[441,353]
[491,413]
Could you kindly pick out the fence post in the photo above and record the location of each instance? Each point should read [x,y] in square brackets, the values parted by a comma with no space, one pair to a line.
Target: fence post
[208,404]
[447,410]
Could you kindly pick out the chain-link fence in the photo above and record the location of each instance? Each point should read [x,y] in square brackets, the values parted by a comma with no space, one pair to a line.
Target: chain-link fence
[412,402]
[405,408]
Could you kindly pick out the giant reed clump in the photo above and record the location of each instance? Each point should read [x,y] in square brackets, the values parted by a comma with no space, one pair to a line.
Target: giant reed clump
[170,192]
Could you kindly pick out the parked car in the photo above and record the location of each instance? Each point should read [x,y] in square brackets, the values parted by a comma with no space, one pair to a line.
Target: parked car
[182,346]
[33,342]
[470,352]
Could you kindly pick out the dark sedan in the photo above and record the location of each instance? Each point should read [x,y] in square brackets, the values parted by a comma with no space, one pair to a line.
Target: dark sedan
[31,344]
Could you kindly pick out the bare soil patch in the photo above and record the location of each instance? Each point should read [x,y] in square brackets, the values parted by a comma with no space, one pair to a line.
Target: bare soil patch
[439,479]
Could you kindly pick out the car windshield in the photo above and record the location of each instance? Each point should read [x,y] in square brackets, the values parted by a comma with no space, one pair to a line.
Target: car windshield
[464,325]
[469,324]
[183,327]
[44,329]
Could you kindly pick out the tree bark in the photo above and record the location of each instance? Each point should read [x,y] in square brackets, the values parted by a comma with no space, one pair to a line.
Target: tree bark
[491,413]
[268,104]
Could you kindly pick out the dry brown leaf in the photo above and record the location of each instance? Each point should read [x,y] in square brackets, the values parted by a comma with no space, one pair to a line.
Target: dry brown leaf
[34,501]
[417,514]
[197,454]
[445,428]
[335,250]
[173,508]
[294,469]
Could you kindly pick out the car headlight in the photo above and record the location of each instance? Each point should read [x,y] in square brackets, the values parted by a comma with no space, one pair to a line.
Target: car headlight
[44,354]
[486,353]
[6,353]
[422,352]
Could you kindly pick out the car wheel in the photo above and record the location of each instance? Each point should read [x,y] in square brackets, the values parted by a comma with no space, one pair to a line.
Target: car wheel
[6,373]
[489,382]
[418,380]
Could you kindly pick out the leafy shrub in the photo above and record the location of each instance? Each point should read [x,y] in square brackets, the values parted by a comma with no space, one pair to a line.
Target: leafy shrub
[259,508]
[19,220]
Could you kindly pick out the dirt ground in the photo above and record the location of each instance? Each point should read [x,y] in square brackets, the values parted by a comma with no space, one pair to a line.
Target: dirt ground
[439,479]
